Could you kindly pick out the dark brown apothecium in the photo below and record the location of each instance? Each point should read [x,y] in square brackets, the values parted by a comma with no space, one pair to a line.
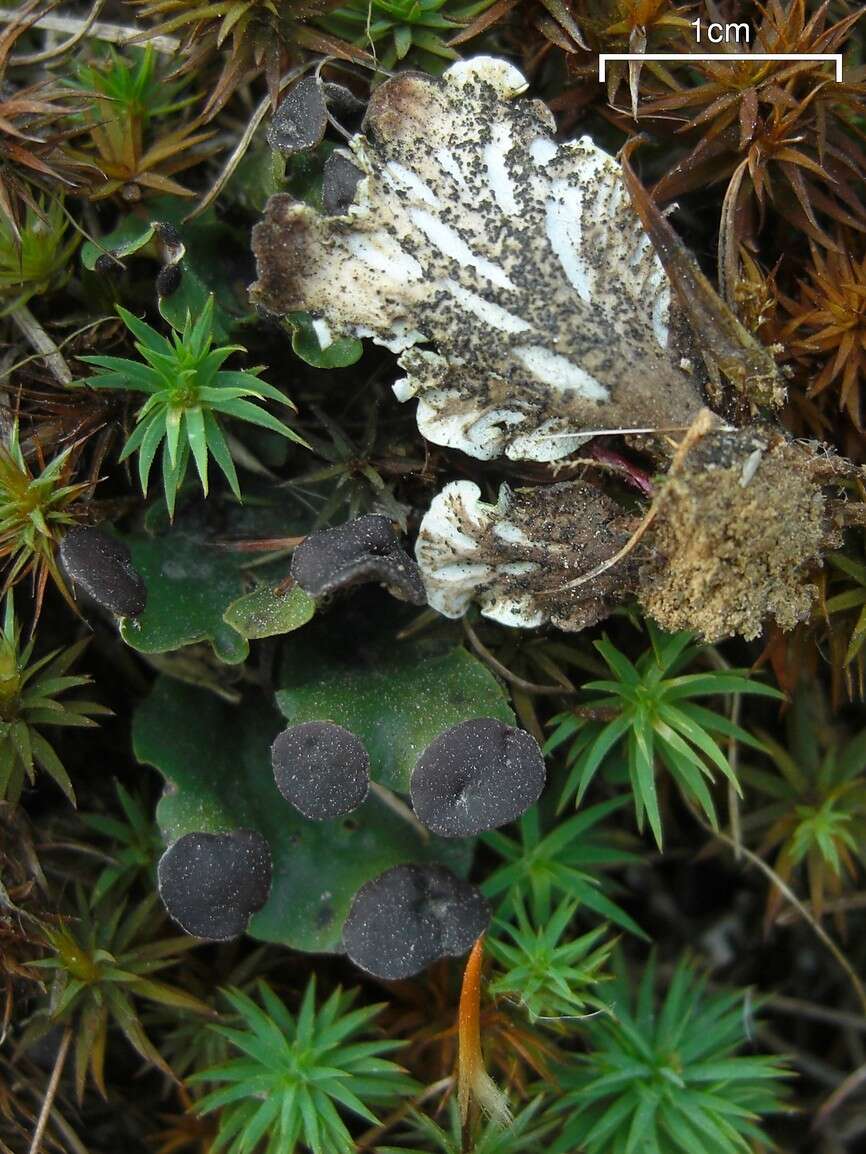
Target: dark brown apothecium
[339,181]
[212,883]
[410,916]
[361,551]
[321,768]
[102,566]
[475,776]
[300,122]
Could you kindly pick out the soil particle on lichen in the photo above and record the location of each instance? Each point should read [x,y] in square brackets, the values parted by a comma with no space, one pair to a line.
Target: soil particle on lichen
[738,533]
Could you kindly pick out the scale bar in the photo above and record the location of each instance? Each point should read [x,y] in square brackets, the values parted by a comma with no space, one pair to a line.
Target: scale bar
[836,57]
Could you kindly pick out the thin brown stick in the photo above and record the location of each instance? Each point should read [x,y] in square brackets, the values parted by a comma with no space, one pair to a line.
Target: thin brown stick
[733,759]
[728,257]
[549,666]
[419,624]
[705,422]
[42,343]
[51,1091]
[643,430]
[262,545]
[365,1142]
[240,149]
[629,546]
[59,49]
[402,810]
[4,373]
[528,686]
[512,678]
[73,1142]
[817,1069]
[853,1082]
[111,33]
[799,1008]
[804,912]
[839,906]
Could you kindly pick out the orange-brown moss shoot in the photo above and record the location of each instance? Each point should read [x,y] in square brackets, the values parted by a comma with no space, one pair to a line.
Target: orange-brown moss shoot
[473,1081]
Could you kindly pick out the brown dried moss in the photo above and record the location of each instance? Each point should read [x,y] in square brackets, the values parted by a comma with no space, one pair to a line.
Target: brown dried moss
[739,528]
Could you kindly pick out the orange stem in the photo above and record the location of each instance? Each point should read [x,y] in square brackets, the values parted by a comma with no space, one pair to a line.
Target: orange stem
[470,1059]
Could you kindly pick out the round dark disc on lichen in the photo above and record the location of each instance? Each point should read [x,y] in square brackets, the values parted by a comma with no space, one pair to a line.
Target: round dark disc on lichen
[321,768]
[212,883]
[102,566]
[475,776]
[339,181]
[168,280]
[300,121]
[344,106]
[360,551]
[410,916]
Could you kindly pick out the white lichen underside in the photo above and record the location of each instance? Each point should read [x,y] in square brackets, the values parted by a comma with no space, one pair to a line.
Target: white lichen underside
[515,559]
[455,564]
[510,272]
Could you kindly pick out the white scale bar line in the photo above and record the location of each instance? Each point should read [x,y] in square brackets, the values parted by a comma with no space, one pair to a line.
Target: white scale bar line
[717,57]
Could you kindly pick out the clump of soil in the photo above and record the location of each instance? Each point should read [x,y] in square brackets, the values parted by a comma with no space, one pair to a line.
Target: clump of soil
[739,528]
